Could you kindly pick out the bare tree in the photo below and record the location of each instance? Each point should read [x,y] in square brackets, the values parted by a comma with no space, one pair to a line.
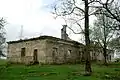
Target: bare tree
[115,44]
[103,33]
[112,7]
[2,36]
[76,10]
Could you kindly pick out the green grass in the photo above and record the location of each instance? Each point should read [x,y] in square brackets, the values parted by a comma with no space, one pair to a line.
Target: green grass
[3,61]
[58,72]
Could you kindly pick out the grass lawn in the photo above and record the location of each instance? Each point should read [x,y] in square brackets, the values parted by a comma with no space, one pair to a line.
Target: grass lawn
[3,61]
[58,72]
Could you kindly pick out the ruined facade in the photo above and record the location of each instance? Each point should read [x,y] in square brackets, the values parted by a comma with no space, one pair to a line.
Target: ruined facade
[49,50]
[96,52]
[44,49]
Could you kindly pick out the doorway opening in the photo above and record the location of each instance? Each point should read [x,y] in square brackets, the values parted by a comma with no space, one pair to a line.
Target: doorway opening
[23,51]
[35,56]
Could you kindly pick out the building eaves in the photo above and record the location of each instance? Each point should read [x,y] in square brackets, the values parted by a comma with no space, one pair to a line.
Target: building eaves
[43,37]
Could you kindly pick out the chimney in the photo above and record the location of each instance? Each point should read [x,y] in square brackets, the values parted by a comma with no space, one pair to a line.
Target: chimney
[63,32]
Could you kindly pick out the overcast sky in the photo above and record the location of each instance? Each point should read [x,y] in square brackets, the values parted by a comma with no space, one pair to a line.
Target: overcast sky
[33,16]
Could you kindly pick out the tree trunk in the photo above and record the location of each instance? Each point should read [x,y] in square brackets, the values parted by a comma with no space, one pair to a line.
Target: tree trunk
[105,55]
[87,41]
[105,46]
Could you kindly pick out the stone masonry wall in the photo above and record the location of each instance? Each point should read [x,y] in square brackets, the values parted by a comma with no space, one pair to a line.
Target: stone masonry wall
[49,51]
[14,51]
[65,52]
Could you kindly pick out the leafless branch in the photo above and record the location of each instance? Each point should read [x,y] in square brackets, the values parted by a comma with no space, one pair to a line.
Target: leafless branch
[80,27]
[74,31]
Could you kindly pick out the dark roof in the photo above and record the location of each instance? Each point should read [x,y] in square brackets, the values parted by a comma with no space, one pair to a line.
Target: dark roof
[43,37]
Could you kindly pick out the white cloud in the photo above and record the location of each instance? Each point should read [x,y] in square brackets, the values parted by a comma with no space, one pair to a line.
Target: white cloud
[31,14]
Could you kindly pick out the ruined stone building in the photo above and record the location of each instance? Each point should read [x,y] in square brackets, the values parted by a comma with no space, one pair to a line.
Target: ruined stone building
[96,52]
[47,50]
